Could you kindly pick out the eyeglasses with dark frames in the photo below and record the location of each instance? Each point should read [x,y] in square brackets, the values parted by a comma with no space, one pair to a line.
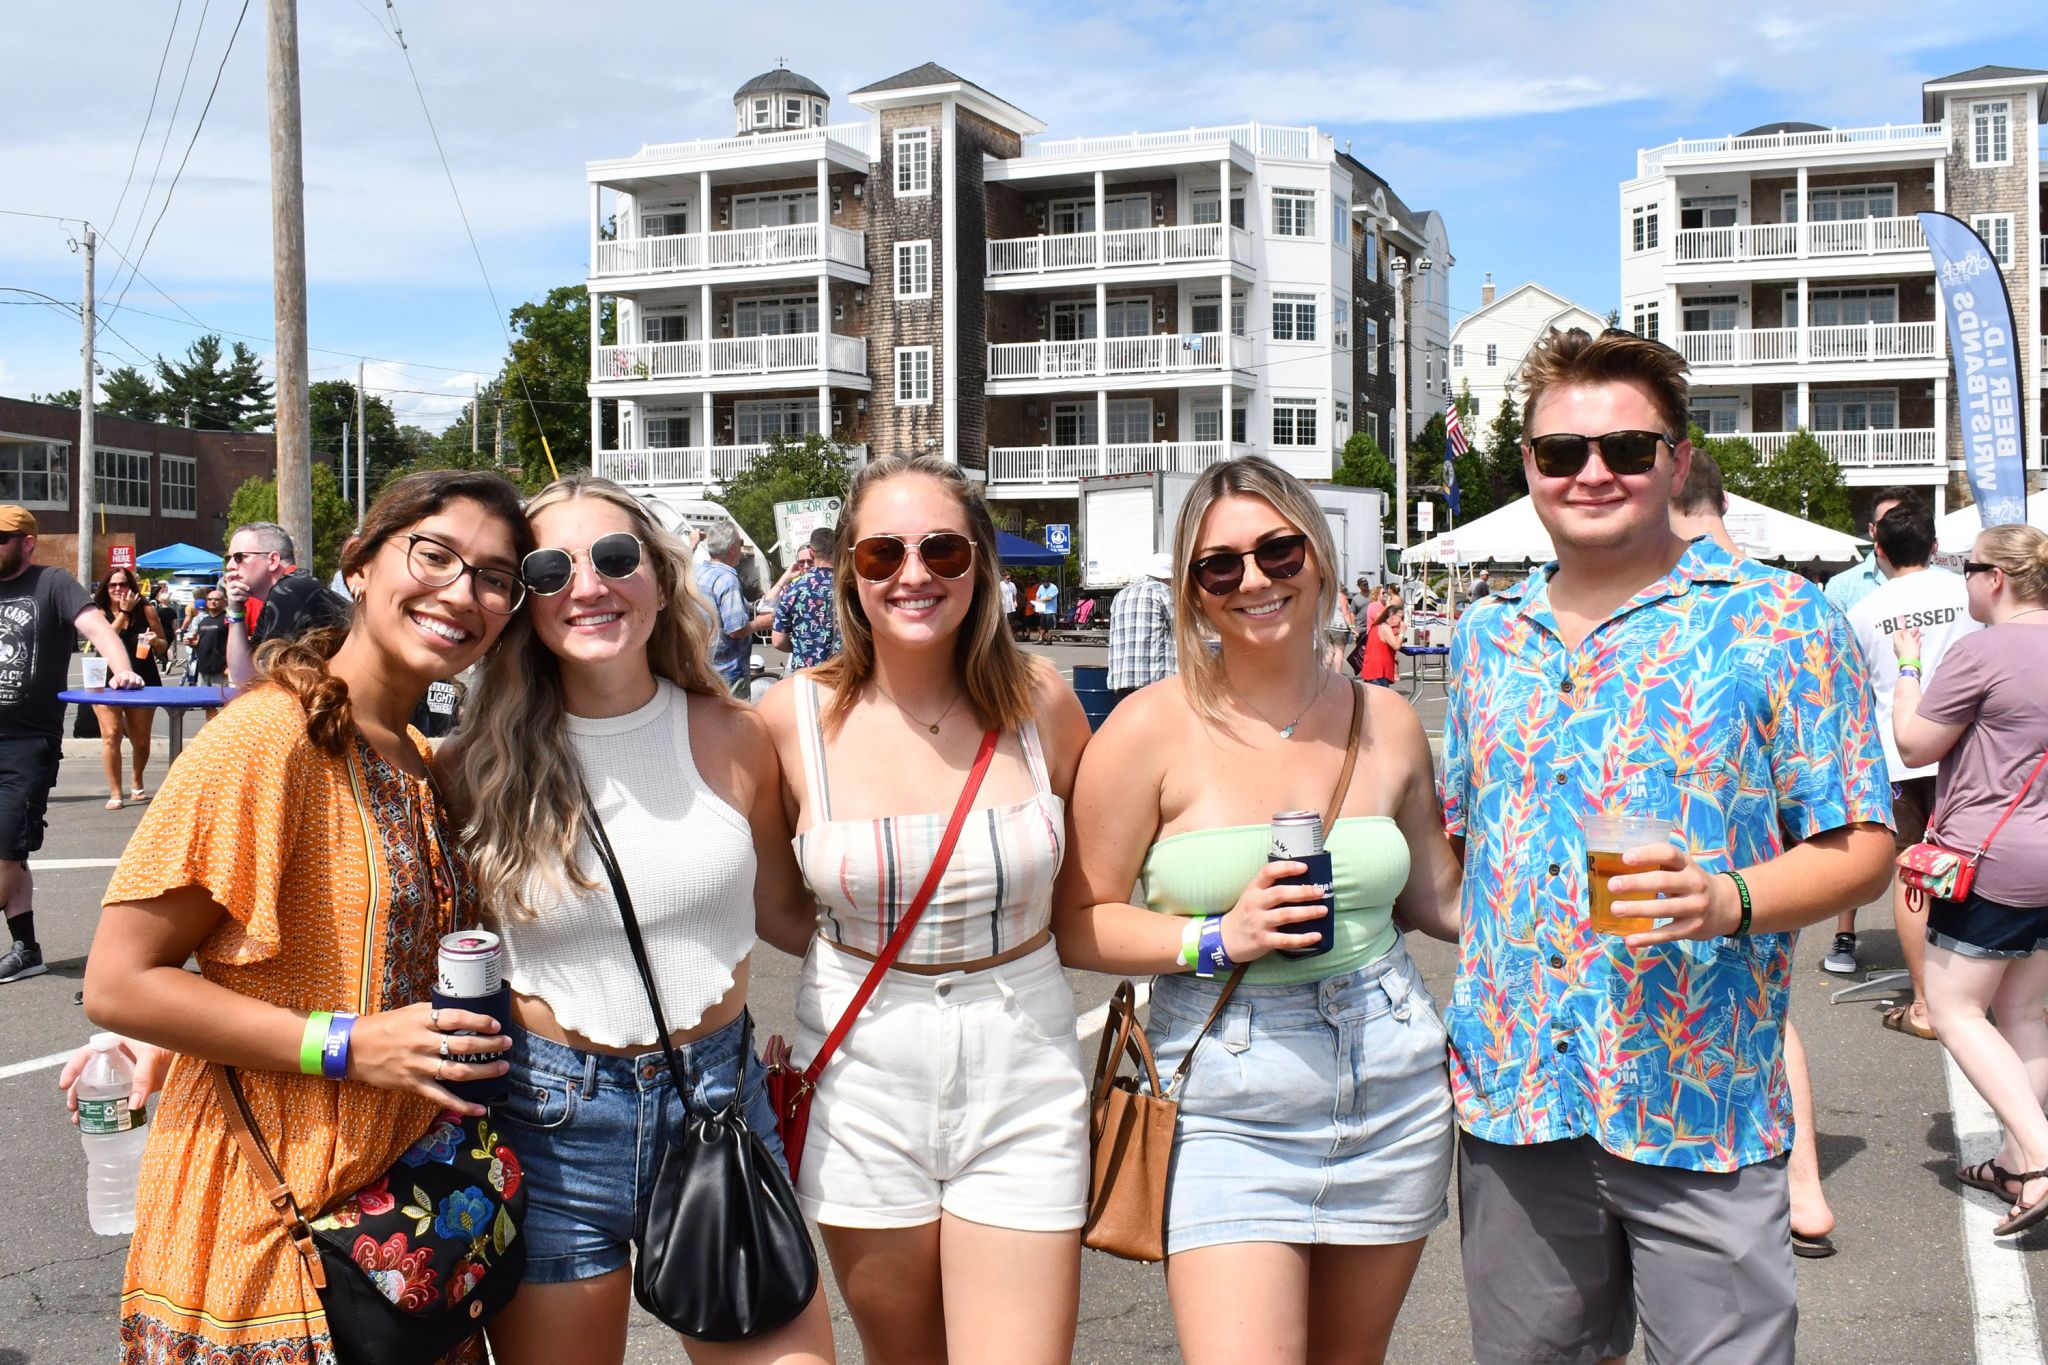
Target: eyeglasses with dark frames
[1221,573]
[1562,454]
[1971,566]
[434,564]
[879,558]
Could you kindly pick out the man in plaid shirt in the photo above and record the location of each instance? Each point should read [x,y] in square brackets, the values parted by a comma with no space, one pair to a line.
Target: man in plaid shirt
[1141,630]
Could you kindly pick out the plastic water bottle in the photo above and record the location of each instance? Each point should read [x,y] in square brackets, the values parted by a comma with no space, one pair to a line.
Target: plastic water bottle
[113,1135]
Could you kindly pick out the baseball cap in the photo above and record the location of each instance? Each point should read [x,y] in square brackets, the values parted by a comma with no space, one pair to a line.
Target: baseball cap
[1160,566]
[16,520]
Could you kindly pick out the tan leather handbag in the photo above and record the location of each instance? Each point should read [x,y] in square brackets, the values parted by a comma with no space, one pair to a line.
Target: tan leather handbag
[1131,1118]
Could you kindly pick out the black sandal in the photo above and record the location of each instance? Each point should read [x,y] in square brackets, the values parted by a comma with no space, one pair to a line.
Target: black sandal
[2031,1214]
[1998,1181]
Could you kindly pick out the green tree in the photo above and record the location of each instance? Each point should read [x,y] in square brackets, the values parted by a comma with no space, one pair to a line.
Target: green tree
[1803,479]
[1363,466]
[63,398]
[550,364]
[1614,317]
[127,392]
[1505,478]
[1742,468]
[333,516]
[790,470]
[220,392]
[333,404]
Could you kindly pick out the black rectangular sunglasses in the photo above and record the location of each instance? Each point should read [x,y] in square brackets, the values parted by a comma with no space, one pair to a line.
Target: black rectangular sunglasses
[1219,574]
[1562,454]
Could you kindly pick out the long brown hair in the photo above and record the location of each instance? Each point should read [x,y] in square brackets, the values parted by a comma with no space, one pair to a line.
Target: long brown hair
[300,666]
[515,776]
[996,676]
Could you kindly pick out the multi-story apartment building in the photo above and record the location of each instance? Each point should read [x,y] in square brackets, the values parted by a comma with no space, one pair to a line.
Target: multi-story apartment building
[1787,264]
[1489,344]
[940,278]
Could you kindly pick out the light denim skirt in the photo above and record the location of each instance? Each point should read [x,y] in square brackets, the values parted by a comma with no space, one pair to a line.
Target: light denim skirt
[1317,1113]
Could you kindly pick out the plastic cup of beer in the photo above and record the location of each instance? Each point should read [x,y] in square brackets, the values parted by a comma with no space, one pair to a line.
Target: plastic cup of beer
[1609,835]
[95,671]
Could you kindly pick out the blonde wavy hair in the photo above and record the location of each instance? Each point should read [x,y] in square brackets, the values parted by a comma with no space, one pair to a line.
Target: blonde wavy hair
[1250,476]
[514,774]
[2022,552]
[995,674]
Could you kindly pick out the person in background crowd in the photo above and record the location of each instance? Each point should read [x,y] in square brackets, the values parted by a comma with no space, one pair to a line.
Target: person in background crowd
[1602,1173]
[1314,1148]
[1699,508]
[172,615]
[43,611]
[145,638]
[1984,721]
[300,852]
[718,583]
[605,684]
[1047,601]
[806,615]
[1141,648]
[207,636]
[1379,660]
[261,567]
[947,1157]
[1935,604]
[1857,582]
[1363,599]
[1010,603]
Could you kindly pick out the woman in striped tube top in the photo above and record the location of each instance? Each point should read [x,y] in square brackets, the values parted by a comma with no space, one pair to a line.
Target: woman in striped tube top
[947,1153]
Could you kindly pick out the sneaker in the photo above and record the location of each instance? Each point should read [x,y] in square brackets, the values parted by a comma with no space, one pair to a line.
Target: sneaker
[21,961]
[1841,959]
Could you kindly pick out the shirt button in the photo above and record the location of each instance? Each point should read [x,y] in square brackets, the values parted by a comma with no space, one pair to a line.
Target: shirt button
[1565,687]
[1561,779]
[1555,868]
[1556,960]
[1564,1045]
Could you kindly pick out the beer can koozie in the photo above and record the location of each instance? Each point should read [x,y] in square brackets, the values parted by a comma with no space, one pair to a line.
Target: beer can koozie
[471,964]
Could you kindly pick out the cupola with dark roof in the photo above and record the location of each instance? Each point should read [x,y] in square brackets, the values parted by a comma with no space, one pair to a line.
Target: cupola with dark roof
[780,100]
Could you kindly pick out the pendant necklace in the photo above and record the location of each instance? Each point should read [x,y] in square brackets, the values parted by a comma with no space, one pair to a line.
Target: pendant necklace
[931,725]
[1287,730]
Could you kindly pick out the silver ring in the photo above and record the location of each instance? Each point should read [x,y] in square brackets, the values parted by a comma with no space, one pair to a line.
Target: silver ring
[445,1053]
[437,1071]
[434,1020]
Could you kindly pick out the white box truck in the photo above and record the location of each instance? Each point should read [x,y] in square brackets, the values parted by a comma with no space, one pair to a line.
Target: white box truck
[1128,518]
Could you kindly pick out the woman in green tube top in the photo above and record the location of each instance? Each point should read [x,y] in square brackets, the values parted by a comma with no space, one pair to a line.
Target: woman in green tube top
[1314,1149]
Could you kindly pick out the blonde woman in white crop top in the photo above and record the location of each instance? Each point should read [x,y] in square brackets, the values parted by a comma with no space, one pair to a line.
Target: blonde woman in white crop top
[605,681]
[947,1155]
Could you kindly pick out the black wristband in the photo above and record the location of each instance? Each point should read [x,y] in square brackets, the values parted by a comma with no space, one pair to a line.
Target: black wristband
[1742,890]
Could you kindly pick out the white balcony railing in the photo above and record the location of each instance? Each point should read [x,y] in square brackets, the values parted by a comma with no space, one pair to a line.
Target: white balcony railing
[860,137]
[1196,242]
[687,464]
[1890,135]
[1781,241]
[1875,449]
[730,356]
[1064,464]
[1817,345]
[796,244]
[1167,353]
[1293,144]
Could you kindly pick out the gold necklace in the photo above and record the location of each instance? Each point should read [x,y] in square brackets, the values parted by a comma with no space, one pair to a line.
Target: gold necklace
[931,725]
[1287,730]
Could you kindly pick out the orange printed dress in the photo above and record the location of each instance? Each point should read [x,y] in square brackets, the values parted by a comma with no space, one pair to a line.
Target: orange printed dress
[337,880]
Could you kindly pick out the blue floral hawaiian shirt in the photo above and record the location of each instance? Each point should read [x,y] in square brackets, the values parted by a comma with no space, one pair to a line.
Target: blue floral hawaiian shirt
[807,615]
[1727,697]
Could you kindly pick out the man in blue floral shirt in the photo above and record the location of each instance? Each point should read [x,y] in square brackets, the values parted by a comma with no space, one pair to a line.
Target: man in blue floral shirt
[806,616]
[1623,1099]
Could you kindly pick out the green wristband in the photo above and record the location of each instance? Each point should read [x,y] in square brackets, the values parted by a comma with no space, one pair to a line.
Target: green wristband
[314,1041]
[1742,890]
[1190,942]
[1909,663]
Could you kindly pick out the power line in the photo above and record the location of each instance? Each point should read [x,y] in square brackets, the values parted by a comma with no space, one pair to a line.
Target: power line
[143,136]
[170,124]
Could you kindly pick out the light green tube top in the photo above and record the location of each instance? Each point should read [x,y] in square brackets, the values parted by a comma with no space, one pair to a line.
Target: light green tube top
[1204,871]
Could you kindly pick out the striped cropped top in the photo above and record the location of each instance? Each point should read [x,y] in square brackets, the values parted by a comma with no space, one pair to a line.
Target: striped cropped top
[997,889]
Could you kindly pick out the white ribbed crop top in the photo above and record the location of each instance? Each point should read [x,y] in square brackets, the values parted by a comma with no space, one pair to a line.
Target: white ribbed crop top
[688,859]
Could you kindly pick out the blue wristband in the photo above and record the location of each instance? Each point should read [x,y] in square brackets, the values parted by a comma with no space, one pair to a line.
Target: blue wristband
[1213,954]
[334,1054]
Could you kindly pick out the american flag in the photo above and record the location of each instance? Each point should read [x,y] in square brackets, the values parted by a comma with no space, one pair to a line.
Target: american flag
[1454,430]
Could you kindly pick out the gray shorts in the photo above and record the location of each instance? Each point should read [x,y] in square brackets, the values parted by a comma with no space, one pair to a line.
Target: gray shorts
[1565,1244]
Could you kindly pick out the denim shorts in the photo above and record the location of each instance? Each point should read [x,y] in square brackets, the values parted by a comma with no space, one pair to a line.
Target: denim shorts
[589,1129]
[1316,1113]
[1985,929]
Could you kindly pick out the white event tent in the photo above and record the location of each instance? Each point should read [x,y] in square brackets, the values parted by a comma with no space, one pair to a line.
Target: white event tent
[1957,532]
[1513,535]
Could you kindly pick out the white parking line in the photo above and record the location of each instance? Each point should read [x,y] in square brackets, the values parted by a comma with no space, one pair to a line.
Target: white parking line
[1090,1024]
[2007,1333]
[38,1064]
[69,864]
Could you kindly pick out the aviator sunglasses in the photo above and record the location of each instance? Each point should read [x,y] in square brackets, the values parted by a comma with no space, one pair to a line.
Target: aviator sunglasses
[1562,454]
[547,572]
[1220,574]
[947,554]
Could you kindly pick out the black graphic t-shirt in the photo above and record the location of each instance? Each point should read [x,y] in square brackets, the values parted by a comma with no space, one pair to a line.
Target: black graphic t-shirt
[210,644]
[37,607]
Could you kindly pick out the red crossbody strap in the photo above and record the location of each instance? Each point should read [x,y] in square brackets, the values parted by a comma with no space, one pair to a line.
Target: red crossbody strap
[894,947]
[1985,847]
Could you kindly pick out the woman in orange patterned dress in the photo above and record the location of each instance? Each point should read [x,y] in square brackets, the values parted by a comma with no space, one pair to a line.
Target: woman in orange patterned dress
[299,850]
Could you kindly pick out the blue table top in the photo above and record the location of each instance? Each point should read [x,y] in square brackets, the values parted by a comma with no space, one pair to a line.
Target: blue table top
[149,696]
[1425,649]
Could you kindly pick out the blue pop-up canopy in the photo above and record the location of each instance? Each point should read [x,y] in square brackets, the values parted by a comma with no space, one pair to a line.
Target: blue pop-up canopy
[1017,550]
[172,558]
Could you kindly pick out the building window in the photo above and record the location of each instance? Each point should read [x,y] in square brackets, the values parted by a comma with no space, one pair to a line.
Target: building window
[761,111]
[656,328]
[1492,354]
[774,210]
[35,473]
[1294,421]
[668,430]
[1372,345]
[1294,317]
[793,112]
[914,161]
[913,375]
[1202,207]
[179,476]
[1991,133]
[762,420]
[1294,213]
[1207,423]
[1996,230]
[914,270]
[818,113]
[1203,314]
[1715,414]
[1372,426]
[1340,419]
[1340,323]
[673,221]
[121,480]
[1855,409]
[1457,355]
[775,317]
[1842,203]
[1644,318]
[1643,228]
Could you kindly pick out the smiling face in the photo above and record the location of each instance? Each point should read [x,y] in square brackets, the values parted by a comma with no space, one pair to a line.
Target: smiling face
[916,608]
[1597,509]
[1261,611]
[595,621]
[428,632]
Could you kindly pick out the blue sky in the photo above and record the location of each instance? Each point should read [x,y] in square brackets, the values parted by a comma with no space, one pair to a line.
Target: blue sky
[1516,122]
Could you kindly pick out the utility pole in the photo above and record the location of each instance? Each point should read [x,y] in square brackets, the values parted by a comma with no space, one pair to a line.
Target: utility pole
[1399,265]
[85,401]
[362,448]
[288,246]
[344,459]
[476,418]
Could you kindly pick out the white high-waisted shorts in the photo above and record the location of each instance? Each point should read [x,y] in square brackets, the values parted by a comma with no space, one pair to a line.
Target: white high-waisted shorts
[961,1092]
